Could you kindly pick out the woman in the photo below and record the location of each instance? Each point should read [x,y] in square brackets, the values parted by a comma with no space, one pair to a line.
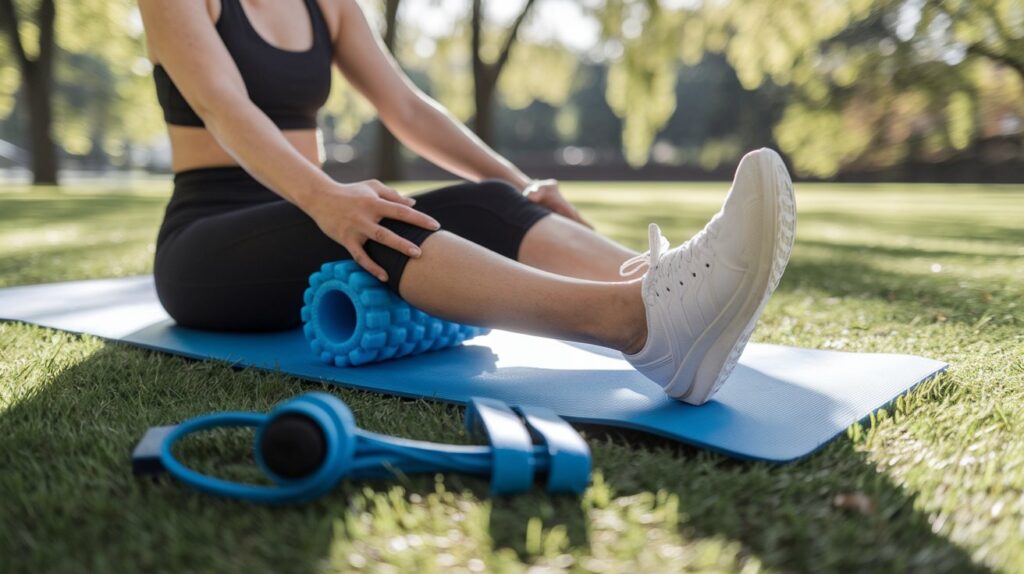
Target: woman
[253,214]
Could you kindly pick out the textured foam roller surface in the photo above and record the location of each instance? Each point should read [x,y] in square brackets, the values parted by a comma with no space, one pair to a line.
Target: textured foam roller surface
[352,319]
[779,404]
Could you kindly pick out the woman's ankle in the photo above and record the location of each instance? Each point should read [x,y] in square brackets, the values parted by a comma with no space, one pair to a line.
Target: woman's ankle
[626,328]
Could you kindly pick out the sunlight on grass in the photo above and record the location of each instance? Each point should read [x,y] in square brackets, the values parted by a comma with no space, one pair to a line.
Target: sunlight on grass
[935,480]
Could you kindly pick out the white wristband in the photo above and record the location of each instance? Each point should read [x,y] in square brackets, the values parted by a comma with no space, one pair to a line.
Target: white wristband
[536,184]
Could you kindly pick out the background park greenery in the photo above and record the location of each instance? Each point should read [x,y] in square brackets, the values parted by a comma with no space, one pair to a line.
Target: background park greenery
[886,87]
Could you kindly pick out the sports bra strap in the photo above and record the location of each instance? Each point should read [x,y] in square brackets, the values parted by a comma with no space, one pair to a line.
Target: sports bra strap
[230,9]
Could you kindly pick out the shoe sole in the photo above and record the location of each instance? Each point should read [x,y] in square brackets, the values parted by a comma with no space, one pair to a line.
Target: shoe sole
[776,243]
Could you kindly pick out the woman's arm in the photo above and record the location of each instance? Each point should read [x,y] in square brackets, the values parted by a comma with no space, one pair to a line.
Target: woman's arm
[419,121]
[415,118]
[185,42]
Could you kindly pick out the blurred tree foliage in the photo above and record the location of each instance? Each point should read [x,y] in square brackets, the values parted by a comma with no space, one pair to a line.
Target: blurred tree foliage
[477,62]
[871,83]
[882,82]
[33,61]
[468,68]
[646,40]
[845,84]
[87,75]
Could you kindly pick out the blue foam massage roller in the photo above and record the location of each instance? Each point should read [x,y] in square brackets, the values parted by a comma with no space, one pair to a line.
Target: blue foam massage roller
[309,444]
[350,318]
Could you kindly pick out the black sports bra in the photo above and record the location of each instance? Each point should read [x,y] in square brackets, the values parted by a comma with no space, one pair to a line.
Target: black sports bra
[289,86]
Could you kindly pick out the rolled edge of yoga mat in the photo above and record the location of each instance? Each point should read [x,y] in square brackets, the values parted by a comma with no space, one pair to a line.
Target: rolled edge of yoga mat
[350,318]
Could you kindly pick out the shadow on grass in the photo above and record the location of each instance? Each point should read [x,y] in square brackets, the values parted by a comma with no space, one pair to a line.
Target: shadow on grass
[71,503]
[831,512]
[70,500]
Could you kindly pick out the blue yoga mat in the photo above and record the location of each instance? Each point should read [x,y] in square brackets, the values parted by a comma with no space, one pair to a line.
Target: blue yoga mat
[780,404]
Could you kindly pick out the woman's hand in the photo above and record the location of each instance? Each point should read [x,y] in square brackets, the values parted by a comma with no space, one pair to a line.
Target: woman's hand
[545,192]
[350,214]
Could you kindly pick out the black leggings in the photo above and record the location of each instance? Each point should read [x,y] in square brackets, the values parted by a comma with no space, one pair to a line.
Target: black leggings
[232,255]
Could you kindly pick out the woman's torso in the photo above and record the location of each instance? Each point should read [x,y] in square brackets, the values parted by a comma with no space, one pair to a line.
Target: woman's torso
[283,50]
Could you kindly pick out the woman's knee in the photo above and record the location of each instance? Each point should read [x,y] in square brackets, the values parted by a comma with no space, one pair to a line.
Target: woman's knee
[499,188]
[487,192]
[491,213]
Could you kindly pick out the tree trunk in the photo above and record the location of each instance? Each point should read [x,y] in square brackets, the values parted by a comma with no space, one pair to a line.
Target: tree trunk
[485,75]
[483,99]
[389,158]
[39,87]
[37,83]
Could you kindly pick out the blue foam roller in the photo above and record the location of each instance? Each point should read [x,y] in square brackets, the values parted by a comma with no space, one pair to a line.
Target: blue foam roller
[353,319]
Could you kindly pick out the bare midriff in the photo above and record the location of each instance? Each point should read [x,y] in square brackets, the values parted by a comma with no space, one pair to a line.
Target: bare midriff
[195,148]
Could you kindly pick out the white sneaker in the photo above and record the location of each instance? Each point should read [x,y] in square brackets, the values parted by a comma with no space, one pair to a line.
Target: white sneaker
[704,297]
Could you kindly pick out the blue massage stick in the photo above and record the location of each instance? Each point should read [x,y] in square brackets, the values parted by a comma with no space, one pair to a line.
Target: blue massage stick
[309,444]
[352,319]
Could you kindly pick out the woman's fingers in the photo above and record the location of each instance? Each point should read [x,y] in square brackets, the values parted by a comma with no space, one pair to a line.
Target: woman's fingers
[389,194]
[385,237]
[553,200]
[571,213]
[409,215]
[389,238]
[363,260]
[574,215]
[564,209]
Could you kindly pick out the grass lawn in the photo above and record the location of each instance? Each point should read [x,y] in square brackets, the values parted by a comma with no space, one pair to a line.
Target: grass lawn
[936,484]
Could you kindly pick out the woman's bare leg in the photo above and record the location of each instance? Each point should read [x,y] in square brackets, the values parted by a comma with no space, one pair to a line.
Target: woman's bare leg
[460,281]
[562,246]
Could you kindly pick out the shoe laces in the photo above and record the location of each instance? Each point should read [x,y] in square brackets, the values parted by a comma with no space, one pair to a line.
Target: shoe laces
[659,244]
[679,259]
